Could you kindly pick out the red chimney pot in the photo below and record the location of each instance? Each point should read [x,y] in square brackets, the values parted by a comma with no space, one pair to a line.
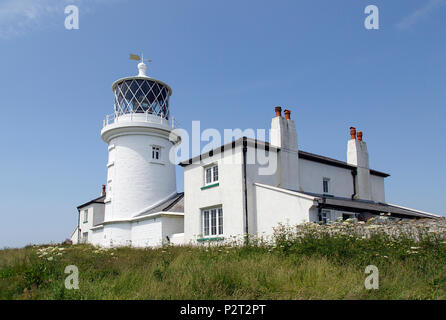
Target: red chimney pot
[353,133]
[103,189]
[359,135]
[287,114]
[278,111]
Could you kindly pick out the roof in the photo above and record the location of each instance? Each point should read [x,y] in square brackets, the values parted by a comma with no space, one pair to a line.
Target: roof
[359,205]
[231,145]
[169,207]
[336,163]
[142,78]
[174,204]
[302,154]
[97,200]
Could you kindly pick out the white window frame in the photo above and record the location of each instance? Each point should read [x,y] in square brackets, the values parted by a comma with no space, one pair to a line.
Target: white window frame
[214,174]
[327,181]
[212,221]
[85,216]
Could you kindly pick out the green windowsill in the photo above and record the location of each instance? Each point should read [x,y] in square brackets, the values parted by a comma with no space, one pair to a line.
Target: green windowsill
[210,186]
[85,222]
[210,239]
[328,195]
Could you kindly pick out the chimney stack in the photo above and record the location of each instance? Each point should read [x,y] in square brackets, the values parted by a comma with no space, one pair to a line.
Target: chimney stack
[358,156]
[283,135]
[103,190]
[352,133]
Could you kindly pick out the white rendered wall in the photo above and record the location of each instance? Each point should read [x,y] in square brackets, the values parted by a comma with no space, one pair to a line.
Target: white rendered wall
[358,155]
[312,174]
[150,232]
[279,206]
[75,236]
[147,233]
[98,213]
[177,239]
[97,236]
[284,136]
[117,235]
[171,225]
[229,195]
[378,192]
[95,215]
[255,175]
[135,180]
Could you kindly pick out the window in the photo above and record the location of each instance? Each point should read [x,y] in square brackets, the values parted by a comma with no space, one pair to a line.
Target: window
[85,216]
[325,216]
[85,237]
[211,174]
[212,222]
[346,216]
[156,152]
[326,185]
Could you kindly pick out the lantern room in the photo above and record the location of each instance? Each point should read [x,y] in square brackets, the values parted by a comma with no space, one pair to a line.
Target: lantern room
[141,95]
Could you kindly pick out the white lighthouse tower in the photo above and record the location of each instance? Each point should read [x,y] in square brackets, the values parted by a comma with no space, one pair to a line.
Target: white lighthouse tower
[140,176]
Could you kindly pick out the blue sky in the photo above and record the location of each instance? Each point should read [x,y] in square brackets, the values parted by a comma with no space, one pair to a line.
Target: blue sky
[229,63]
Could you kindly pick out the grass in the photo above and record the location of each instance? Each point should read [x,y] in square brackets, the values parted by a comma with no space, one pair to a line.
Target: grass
[313,266]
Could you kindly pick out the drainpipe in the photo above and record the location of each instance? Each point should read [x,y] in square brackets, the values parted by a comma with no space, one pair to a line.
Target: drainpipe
[354,173]
[245,189]
[78,225]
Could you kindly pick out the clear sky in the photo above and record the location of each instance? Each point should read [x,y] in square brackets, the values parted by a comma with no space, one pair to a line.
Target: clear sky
[229,63]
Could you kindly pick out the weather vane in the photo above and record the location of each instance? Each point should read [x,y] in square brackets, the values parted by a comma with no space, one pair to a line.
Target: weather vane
[141,66]
[138,58]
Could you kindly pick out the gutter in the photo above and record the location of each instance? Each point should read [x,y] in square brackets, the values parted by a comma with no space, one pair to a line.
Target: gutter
[245,188]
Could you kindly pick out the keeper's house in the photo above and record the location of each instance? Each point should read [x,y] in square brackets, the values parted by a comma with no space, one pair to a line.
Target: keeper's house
[244,187]
[228,192]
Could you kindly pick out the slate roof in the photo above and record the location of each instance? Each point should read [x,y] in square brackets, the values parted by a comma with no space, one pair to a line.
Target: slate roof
[97,200]
[174,204]
[302,155]
[359,205]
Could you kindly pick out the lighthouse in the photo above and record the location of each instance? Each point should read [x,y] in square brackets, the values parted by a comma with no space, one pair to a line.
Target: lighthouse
[226,196]
[140,176]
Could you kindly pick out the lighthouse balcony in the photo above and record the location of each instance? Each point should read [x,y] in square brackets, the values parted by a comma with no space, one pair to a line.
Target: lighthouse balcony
[140,117]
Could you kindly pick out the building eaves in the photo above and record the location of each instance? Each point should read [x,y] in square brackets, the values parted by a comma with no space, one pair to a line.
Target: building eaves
[256,143]
[97,200]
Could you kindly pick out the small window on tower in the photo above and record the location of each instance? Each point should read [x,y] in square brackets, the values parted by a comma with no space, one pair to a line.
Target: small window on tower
[156,152]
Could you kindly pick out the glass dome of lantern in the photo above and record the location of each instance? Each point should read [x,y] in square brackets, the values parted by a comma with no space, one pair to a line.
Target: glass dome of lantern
[141,94]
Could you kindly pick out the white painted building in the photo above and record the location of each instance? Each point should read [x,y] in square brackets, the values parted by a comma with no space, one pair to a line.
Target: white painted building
[141,206]
[229,191]
[305,187]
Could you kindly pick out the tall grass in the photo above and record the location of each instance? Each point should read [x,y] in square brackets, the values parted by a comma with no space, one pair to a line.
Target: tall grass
[303,262]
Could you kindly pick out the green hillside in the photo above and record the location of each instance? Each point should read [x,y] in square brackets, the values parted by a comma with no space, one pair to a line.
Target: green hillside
[307,262]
